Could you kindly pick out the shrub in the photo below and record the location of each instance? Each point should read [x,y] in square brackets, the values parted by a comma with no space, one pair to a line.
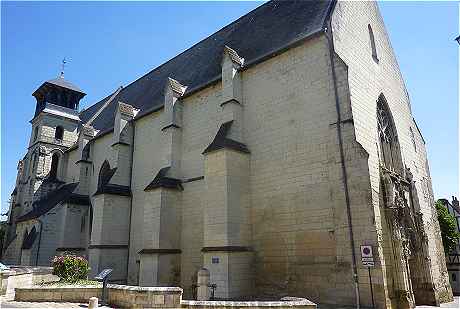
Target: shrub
[70,268]
[449,233]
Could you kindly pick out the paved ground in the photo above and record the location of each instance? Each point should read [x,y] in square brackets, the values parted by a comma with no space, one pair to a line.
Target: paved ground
[7,303]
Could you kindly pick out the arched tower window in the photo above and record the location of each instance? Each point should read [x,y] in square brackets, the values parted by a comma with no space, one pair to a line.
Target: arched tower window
[59,133]
[390,154]
[54,166]
[372,41]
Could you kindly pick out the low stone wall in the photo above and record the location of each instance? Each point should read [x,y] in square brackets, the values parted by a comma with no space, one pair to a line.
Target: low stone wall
[24,276]
[118,295]
[125,296]
[80,294]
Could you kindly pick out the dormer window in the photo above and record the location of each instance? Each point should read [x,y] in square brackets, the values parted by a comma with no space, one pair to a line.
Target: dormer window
[59,134]
[372,44]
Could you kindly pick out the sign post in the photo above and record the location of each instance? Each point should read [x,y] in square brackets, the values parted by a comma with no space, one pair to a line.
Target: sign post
[104,277]
[367,258]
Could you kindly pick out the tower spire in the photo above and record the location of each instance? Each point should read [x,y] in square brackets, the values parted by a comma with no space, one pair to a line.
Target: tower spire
[64,62]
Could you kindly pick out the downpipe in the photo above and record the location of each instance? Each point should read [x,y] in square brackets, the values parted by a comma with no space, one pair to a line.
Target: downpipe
[328,33]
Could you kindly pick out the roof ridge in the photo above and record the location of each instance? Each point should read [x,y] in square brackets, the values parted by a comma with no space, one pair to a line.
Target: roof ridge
[106,103]
[279,24]
[202,40]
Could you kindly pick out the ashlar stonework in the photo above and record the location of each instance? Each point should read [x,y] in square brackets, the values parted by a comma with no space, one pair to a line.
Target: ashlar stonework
[267,153]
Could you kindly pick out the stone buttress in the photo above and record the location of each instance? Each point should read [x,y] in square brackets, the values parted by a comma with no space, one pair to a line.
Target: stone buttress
[160,256]
[227,252]
[111,203]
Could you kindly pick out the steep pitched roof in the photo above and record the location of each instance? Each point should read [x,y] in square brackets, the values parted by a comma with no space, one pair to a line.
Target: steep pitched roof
[268,29]
[61,194]
[60,81]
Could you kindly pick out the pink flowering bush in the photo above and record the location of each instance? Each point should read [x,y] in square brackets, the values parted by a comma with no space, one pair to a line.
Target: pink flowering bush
[70,268]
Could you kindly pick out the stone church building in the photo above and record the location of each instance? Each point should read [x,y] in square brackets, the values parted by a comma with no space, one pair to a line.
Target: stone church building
[268,153]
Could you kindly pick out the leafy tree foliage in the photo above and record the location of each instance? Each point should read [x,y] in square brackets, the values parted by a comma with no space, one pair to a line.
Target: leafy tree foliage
[448,226]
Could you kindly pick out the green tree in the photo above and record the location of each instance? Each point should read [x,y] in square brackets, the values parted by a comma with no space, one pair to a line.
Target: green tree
[448,226]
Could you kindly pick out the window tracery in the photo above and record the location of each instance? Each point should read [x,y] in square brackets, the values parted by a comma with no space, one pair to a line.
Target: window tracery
[388,139]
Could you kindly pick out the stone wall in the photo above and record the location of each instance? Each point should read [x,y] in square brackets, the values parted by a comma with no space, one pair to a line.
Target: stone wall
[144,297]
[368,78]
[22,277]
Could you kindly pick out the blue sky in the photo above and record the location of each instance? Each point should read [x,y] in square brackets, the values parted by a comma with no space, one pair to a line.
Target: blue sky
[113,43]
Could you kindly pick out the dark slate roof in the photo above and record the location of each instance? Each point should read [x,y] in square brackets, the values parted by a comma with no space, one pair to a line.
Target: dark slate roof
[268,29]
[163,181]
[62,194]
[60,81]
[222,141]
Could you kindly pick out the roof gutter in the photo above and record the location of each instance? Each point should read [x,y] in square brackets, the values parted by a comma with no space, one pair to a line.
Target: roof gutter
[330,40]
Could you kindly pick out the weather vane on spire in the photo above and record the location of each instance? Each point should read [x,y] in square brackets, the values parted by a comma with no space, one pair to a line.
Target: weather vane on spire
[64,61]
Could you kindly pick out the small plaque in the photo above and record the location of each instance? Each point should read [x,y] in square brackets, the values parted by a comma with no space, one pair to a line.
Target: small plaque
[103,274]
[215,260]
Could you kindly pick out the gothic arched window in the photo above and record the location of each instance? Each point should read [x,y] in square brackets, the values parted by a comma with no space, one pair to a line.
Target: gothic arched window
[390,155]
[59,133]
[54,166]
[372,41]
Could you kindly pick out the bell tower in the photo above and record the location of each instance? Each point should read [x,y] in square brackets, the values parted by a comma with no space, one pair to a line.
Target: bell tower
[54,130]
[59,92]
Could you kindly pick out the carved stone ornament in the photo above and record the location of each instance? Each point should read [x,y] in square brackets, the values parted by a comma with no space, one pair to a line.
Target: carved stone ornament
[88,131]
[42,151]
[407,226]
[126,109]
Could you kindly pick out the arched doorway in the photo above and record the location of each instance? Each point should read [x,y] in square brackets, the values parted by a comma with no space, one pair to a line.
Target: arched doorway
[407,269]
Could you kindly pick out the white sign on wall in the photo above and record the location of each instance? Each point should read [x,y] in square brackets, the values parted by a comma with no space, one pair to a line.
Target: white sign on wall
[367,256]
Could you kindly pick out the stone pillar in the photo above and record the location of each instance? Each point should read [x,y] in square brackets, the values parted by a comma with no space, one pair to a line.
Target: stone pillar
[122,143]
[232,97]
[160,256]
[84,162]
[112,201]
[110,233]
[172,128]
[227,251]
